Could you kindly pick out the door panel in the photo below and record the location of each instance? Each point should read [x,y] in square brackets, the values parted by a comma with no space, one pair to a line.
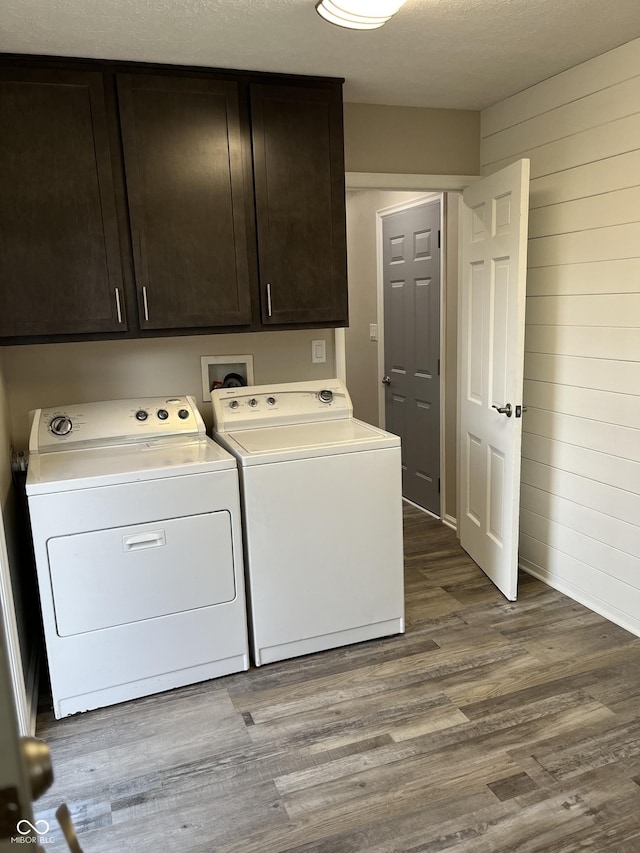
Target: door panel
[299,187]
[423,308]
[495,502]
[126,574]
[492,305]
[500,331]
[395,321]
[186,189]
[59,251]
[411,270]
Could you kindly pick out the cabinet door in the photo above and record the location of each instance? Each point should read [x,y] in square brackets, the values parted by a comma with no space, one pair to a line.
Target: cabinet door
[185,184]
[299,185]
[60,267]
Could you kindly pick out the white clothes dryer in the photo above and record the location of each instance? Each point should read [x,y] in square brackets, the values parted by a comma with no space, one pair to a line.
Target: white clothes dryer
[322,513]
[136,526]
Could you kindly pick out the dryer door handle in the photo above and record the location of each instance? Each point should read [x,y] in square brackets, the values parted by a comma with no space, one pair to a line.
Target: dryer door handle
[138,541]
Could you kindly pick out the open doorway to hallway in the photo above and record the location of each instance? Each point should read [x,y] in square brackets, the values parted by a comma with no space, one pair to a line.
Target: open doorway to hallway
[364,339]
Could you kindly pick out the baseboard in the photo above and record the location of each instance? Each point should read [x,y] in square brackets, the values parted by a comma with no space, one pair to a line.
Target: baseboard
[421,508]
[582,596]
[449,520]
[32,685]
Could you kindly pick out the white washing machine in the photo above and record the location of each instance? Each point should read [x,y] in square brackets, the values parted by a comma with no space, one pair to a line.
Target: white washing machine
[322,514]
[136,526]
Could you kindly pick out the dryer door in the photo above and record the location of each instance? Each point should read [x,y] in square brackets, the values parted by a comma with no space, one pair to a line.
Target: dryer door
[126,574]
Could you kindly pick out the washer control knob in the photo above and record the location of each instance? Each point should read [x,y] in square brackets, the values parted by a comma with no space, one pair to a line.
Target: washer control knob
[163,414]
[271,401]
[183,414]
[61,425]
[253,402]
[325,395]
[234,404]
[141,415]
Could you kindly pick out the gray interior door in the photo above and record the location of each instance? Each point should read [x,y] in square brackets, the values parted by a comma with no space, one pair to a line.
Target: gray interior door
[411,268]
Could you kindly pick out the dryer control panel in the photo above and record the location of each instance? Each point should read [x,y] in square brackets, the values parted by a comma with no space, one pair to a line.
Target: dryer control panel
[277,405]
[114,422]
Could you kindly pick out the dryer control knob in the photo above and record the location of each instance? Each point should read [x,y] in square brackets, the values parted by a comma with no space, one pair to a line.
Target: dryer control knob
[325,395]
[183,414]
[61,425]
[141,415]
[271,401]
[253,402]
[234,404]
[163,414]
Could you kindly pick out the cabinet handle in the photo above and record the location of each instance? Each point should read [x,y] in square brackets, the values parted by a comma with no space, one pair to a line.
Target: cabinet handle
[145,303]
[118,308]
[268,300]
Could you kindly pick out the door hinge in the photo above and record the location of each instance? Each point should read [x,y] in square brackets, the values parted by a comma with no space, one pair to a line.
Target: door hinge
[438,238]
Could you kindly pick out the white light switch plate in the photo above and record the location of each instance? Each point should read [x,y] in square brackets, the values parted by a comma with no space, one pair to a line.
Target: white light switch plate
[373,331]
[318,352]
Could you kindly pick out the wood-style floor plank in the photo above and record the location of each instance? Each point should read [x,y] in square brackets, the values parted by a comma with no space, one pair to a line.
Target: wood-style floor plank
[489,726]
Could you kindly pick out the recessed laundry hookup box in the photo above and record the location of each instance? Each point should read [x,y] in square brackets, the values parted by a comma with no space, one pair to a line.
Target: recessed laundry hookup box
[225,371]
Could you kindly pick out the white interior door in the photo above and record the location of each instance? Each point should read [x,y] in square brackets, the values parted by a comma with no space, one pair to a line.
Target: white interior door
[491,352]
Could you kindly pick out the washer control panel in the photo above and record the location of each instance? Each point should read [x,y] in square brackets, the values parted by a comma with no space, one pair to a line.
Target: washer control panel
[114,422]
[61,425]
[274,405]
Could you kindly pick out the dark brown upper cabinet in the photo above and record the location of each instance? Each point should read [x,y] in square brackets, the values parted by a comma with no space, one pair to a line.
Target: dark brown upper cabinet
[187,193]
[140,200]
[299,185]
[60,266]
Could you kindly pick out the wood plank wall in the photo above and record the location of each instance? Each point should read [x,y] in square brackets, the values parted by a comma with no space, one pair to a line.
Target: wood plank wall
[580,507]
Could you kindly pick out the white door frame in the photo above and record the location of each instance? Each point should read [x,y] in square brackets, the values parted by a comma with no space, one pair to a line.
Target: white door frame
[410,183]
[12,640]
[429,185]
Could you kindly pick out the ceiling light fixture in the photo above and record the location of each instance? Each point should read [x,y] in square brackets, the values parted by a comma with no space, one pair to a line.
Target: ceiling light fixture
[358,14]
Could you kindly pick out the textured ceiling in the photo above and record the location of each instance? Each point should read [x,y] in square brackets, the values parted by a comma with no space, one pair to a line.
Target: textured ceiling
[464,54]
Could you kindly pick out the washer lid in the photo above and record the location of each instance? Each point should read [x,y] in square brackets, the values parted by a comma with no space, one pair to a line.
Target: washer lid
[66,470]
[302,441]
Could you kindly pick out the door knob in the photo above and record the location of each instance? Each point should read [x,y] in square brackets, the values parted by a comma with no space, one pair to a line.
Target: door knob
[386,380]
[504,410]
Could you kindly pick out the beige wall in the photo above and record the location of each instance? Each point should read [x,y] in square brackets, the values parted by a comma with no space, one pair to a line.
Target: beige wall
[580,501]
[363,379]
[53,374]
[411,140]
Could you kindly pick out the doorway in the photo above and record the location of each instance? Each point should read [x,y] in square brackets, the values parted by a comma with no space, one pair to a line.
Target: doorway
[451,373]
[411,297]
[360,348]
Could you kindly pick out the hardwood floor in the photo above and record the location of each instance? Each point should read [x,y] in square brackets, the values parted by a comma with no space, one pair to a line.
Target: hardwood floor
[489,726]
